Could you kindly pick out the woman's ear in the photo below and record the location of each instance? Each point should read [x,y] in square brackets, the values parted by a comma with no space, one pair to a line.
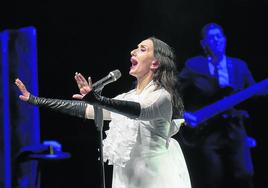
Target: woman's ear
[155,64]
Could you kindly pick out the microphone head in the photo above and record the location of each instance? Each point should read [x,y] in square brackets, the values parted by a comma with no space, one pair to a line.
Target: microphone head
[116,74]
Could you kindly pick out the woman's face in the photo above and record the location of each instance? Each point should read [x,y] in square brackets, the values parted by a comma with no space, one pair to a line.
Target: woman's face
[142,59]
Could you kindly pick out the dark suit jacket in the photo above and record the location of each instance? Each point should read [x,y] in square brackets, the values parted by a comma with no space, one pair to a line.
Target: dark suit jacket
[199,87]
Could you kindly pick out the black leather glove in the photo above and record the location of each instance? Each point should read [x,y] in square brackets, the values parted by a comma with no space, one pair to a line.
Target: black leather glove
[127,108]
[70,107]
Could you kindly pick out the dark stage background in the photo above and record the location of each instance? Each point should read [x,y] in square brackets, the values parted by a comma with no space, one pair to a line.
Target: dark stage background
[96,37]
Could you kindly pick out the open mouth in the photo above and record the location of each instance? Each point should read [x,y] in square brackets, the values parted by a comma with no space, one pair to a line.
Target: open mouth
[134,62]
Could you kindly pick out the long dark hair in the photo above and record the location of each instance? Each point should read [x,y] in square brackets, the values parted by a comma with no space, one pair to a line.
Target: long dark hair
[166,74]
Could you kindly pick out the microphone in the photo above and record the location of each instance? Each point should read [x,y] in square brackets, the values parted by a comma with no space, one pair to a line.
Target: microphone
[111,77]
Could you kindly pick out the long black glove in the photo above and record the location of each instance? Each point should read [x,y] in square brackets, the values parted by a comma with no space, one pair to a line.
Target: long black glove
[127,108]
[70,107]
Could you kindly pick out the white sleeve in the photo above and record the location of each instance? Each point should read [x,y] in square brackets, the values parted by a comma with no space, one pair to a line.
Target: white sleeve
[90,113]
[156,106]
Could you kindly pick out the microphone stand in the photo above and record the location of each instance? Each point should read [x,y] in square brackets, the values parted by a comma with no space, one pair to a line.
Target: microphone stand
[98,119]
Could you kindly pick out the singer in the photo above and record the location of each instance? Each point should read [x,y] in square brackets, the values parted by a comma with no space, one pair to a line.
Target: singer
[138,142]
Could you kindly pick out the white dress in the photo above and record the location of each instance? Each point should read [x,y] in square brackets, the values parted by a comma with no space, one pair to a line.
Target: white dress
[142,152]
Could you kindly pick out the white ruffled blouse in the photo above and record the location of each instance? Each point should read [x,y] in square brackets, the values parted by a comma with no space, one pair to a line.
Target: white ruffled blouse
[154,126]
[141,150]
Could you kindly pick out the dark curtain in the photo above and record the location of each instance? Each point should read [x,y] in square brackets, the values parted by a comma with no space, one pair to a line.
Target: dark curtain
[19,121]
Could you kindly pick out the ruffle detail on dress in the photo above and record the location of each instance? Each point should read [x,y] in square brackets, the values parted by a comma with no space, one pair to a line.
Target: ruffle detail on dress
[120,139]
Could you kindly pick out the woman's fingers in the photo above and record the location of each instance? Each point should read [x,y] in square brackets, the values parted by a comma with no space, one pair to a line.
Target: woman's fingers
[81,77]
[19,83]
[78,96]
[80,80]
[21,86]
[25,93]
[89,82]
[85,86]
[24,98]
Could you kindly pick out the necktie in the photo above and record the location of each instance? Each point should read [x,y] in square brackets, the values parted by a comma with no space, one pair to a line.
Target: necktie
[221,76]
[216,72]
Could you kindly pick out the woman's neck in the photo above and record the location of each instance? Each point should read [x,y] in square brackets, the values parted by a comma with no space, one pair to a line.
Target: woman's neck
[142,83]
